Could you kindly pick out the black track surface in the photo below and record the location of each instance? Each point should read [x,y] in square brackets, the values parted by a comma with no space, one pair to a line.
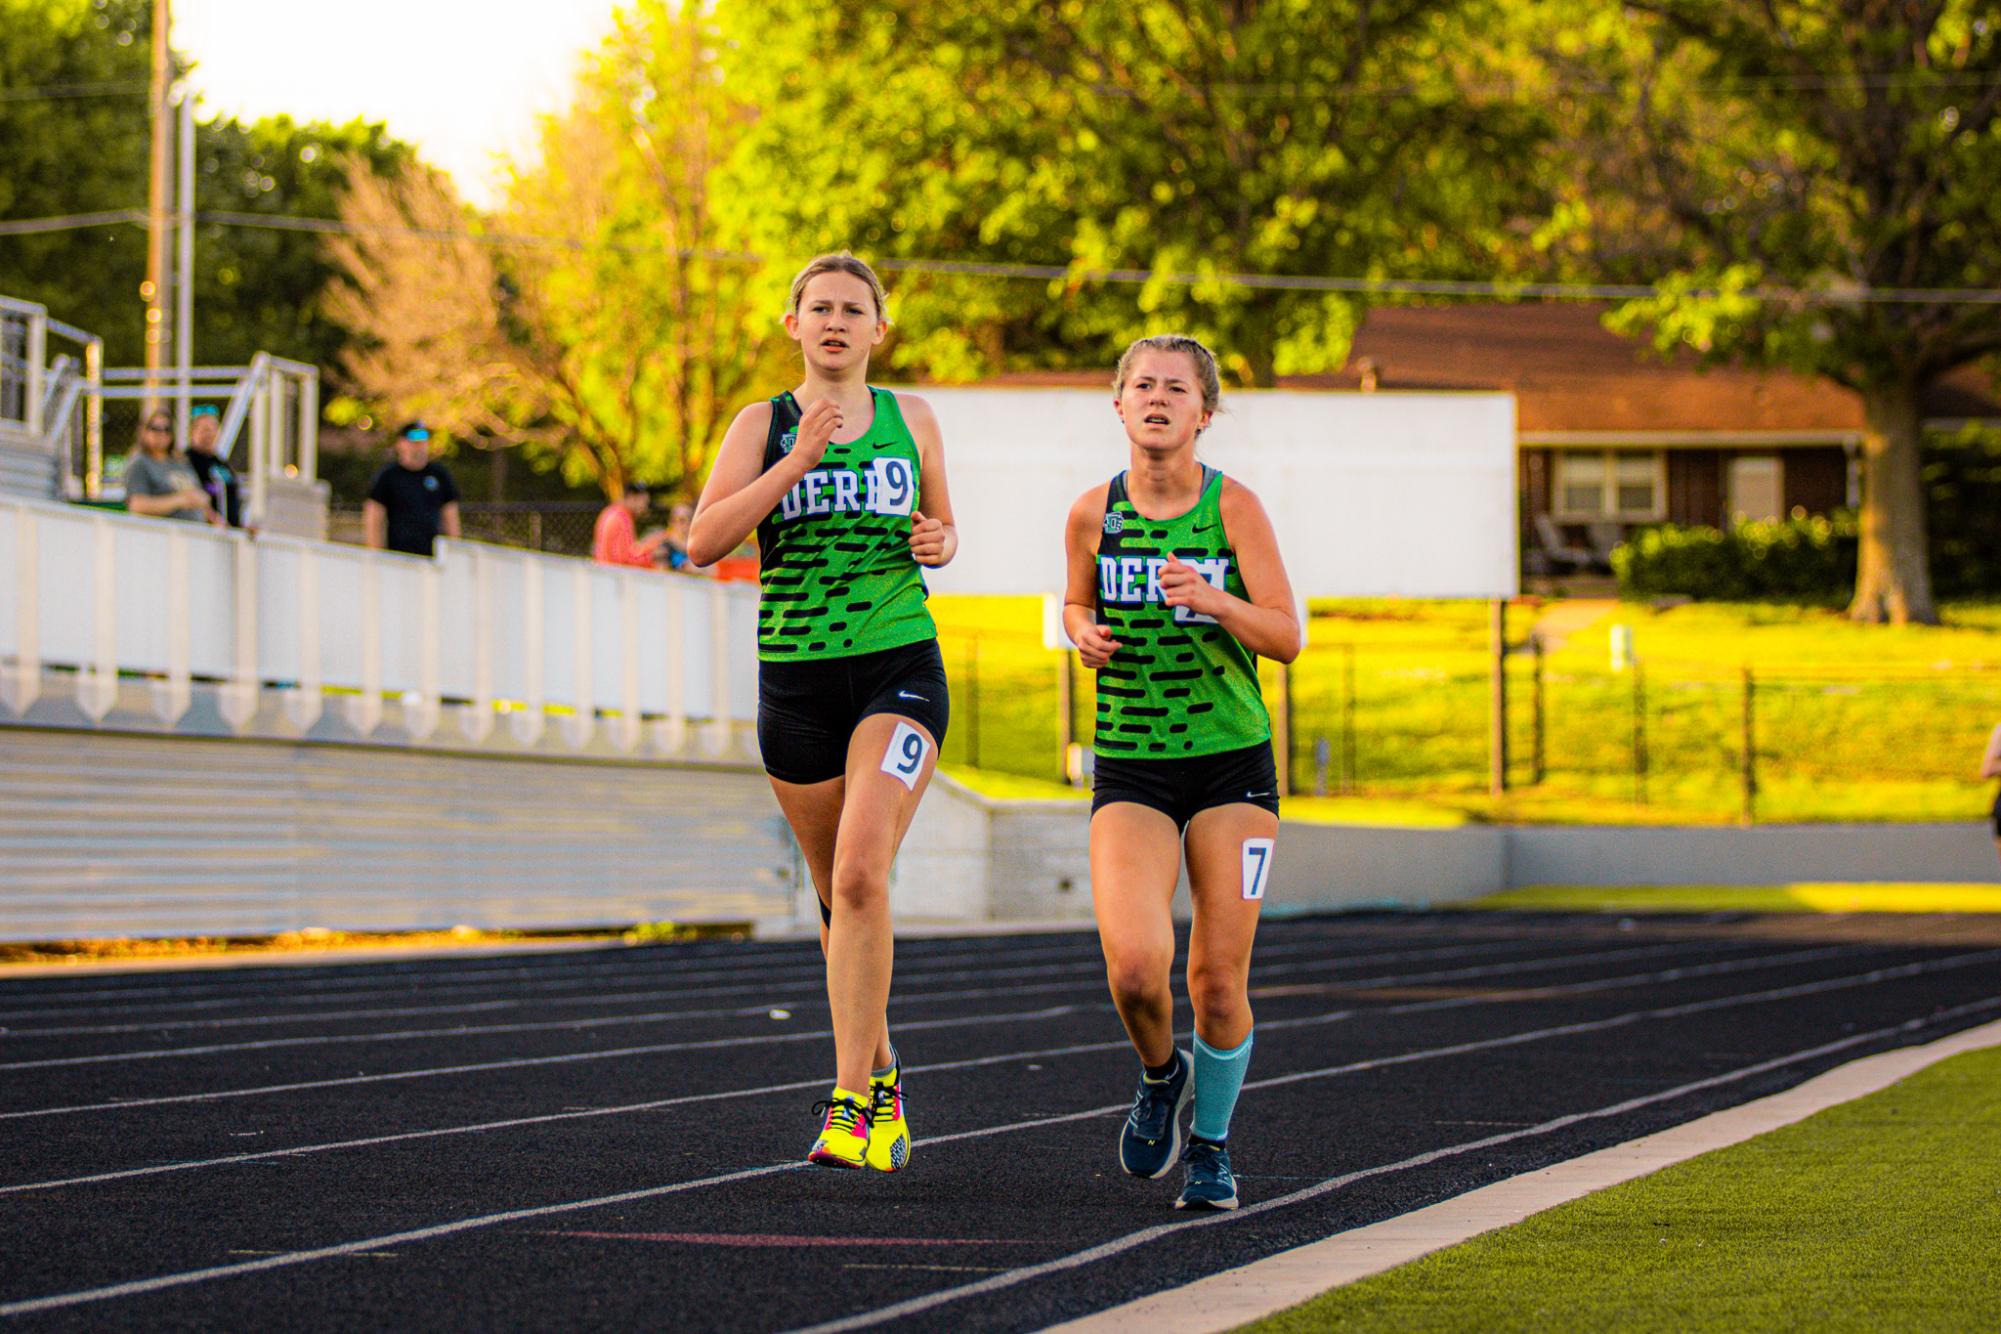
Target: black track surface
[611,1138]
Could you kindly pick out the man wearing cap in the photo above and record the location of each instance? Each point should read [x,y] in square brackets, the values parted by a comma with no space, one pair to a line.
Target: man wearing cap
[413,500]
[216,477]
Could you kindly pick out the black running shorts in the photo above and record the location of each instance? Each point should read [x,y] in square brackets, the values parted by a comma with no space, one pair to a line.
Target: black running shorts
[1997,817]
[1181,787]
[808,711]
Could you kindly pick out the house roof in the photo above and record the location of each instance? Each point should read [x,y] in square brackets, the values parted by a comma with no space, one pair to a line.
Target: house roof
[1575,380]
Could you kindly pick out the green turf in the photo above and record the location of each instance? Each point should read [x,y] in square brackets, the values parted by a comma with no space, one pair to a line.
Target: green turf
[1845,897]
[1851,722]
[1881,1214]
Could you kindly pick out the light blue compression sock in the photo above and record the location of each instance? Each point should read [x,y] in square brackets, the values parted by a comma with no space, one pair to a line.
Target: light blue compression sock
[1219,1075]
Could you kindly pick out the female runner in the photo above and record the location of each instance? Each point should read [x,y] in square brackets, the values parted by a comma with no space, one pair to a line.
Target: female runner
[845,486]
[1175,589]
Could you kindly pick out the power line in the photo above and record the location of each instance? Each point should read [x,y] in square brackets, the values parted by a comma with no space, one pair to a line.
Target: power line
[1062,272]
[58,92]
[1977,81]
[70,222]
[1501,289]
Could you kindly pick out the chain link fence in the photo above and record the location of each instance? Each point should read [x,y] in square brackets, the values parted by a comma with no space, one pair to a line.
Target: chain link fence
[1414,720]
[562,528]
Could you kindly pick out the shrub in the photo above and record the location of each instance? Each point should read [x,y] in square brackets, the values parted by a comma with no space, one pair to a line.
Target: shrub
[1801,559]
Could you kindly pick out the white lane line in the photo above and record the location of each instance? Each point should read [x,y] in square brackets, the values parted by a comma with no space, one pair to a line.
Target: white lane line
[1353,984]
[809,974]
[1268,1026]
[563,969]
[525,1062]
[166,1281]
[1118,1246]
[1236,1297]
[809,971]
[560,975]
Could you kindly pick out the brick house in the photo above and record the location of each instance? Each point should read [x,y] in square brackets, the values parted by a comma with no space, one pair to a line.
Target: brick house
[1612,436]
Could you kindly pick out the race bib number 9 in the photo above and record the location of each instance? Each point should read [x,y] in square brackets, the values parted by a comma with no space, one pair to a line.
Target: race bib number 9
[1257,866]
[904,760]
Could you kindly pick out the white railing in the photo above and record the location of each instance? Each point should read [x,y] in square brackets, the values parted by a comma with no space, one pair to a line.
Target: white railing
[42,400]
[273,404]
[482,645]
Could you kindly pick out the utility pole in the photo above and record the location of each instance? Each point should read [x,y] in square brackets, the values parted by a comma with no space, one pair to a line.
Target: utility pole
[184,265]
[154,291]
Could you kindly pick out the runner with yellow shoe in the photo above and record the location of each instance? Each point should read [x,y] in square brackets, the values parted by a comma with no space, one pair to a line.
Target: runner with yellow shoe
[844,485]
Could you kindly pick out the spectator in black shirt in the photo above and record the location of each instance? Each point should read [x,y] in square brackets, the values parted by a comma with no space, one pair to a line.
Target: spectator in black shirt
[216,477]
[412,501]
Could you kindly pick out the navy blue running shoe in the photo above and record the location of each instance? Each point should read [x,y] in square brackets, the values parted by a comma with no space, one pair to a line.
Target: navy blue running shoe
[1150,1140]
[1209,1183]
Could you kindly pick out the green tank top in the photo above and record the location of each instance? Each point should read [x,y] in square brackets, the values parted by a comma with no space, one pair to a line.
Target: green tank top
[834,558]
[1179,685]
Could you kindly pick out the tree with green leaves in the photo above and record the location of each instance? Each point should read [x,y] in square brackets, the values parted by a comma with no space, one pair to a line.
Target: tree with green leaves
[1826,171]
[73,81]
[73,138]
[1195,139]
[608,316]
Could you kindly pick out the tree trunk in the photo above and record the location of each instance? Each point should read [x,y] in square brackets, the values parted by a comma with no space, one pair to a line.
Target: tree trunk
[1893,578]
[1257,344]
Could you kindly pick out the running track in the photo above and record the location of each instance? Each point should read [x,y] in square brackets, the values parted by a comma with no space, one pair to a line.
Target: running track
[610,1138]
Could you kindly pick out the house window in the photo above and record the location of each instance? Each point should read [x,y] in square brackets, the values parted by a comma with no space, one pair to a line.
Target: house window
[1611,484]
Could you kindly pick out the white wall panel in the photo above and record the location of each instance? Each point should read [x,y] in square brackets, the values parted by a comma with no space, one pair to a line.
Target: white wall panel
[1387,494]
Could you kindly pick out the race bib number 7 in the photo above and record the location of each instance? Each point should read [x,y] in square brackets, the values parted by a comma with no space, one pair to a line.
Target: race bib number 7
[904,760]
[1257,866]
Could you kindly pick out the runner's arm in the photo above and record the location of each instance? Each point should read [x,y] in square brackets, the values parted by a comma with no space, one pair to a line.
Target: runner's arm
[740,490]
[1267,621]
[1081,531]
[934,537]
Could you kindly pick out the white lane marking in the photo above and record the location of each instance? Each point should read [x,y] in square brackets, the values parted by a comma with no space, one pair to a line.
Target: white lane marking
[141,1286]
[560,972]
[1233,1298]
[808,975]
[1269,1026]
[444,982]
[1119,1245]
[525,1062]
[905,996]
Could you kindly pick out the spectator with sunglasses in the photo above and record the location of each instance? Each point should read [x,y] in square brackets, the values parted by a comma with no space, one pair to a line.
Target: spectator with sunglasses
[158,480]
[413,501]
[216,477]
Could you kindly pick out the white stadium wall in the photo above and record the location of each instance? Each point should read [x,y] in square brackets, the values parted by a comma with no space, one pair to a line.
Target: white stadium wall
[1372,495]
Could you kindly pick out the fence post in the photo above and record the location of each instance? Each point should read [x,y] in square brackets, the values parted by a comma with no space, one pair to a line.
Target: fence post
[1749,745]
[1066,690]
[1282,731]
[1639,733]
[1349,778]
[973,700]
[1537,768]
[1497,703]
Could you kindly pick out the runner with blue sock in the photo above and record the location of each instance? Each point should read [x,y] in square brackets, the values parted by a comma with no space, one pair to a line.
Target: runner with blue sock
[1175,589]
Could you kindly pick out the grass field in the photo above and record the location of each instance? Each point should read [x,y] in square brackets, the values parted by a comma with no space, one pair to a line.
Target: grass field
[1877,1215]
[1849,897]
[1390,701]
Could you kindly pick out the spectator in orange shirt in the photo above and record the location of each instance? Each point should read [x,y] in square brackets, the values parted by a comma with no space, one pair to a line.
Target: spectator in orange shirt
[613,542]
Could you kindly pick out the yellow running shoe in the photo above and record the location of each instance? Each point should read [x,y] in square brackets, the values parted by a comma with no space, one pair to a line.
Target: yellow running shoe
[843,1140]
[888,1132]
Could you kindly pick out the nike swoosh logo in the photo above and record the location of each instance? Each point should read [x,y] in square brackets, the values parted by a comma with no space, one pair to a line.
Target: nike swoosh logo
[905,694]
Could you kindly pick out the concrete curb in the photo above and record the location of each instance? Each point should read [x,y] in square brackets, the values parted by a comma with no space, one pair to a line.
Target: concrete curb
[1225,1301]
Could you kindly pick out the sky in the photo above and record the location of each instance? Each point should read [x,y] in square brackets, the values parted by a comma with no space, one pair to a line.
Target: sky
[461,79]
